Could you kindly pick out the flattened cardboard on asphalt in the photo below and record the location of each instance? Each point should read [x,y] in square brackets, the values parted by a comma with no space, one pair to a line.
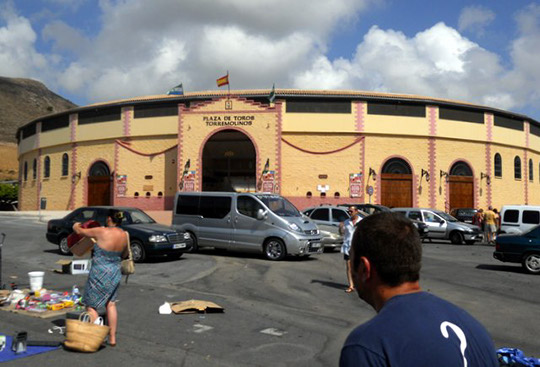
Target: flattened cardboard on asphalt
[194,306]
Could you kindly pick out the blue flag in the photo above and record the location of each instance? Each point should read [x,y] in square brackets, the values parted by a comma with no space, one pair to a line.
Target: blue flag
[178,90]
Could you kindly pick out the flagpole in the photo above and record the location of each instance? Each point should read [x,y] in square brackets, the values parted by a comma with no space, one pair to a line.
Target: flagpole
[228,86]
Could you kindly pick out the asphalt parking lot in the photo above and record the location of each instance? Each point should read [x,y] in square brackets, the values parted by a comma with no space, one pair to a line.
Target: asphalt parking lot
[289,313]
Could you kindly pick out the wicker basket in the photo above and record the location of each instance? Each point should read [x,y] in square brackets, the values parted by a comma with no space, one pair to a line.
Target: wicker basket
[84,336]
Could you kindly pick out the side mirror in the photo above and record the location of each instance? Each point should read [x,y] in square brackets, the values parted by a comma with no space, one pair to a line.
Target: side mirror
[261,214]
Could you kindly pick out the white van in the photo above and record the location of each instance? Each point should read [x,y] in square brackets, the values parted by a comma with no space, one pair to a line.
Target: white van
[518,219]
[264,223]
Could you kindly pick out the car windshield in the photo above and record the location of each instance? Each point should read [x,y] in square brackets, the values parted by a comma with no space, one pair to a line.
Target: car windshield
[137,217]
[446,217]
[279,205]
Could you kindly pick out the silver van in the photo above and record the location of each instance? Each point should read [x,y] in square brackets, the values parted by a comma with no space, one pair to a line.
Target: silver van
[443,226]
[264,223]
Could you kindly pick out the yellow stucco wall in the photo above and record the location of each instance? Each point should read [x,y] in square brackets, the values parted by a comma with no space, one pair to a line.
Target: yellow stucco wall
[396,125]
[197,129]
[55,137]
[163,125]
[507,189]
[56,183]
[138,167]
[318,122]
[301,170]
[99,130]
[461,130]
[507,136]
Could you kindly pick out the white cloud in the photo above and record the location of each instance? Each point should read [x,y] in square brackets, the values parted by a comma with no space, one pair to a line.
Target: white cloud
[475,19]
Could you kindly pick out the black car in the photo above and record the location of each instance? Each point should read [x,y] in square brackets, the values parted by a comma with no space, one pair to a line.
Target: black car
[524,249]
[147,237]
[464,214]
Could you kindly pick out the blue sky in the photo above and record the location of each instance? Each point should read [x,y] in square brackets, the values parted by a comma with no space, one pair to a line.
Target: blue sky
[483,52]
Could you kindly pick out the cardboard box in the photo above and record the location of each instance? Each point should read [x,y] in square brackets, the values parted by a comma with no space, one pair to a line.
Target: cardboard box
[75,266]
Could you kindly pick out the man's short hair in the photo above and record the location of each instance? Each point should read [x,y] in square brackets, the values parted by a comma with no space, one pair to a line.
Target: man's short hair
[391,243]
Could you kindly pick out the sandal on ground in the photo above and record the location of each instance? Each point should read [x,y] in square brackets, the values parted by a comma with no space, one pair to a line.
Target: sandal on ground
[349,290]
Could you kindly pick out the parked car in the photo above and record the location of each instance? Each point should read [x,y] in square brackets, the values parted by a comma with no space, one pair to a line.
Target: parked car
[328,218]
[266,223]
[369,208]
[443,226]
[147,237]
[520,248]
[518,219]
[464,214]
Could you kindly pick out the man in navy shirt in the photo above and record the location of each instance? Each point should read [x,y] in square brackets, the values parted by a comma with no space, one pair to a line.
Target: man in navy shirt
[412,327]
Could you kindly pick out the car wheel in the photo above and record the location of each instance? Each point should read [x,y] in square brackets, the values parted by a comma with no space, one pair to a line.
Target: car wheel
[531,263]
[137,251]
[470,242]
[456,238]
[194,246]
[274,249]
[63,246]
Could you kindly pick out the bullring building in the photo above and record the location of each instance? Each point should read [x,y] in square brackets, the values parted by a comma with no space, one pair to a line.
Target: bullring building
[310,146]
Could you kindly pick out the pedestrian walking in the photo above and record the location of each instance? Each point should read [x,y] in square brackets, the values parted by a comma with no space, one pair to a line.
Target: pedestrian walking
[347,228]
[412,327]
[490,225]
[478,219]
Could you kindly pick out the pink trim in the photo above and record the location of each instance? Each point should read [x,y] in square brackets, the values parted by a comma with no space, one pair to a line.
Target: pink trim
[127,111]
[144,203]
[116,169]
[526,176]
[363,169]
[37,142]
[73,170]
[179,156]
[279,138]
[38,173]
[489,173]
[322,153]
[414,180]
[489,126]
[126,146]
[432,154]
[198,178]
[432,116]
[262,106]
[73,122]
[359,117]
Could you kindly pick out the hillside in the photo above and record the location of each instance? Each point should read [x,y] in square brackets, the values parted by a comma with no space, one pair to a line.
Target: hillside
[22,100]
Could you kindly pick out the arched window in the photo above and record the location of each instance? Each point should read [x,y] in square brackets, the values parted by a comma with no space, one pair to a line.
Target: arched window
[99,169]
[517,168]
[461,169]
[65,164]
[26,171]
[531,173]
[497,164]
[397,165]
[34,169]
[47,167]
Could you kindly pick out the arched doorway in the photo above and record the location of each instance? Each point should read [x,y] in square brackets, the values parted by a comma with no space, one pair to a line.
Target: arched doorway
[461,186]
[396,184]
[229,161]
[99,184]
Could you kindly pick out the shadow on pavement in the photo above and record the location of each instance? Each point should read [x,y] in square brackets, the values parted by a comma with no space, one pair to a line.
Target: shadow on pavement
[330,284]
[507,268]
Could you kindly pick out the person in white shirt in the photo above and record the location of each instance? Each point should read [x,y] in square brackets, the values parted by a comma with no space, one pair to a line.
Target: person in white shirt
[346,228]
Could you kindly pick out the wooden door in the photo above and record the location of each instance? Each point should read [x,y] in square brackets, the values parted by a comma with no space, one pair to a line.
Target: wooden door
[461,192]
[396,190]
[99,190]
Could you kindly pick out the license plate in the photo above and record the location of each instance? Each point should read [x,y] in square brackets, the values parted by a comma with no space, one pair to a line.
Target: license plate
[179,245]
[315,245]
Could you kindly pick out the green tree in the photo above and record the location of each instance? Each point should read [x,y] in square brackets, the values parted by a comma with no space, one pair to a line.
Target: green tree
[8,192]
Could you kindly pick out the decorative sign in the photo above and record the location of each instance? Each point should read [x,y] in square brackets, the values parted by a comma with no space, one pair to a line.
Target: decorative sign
[121,185]
[369,190]
[189,181]
[228,120]
[355,185]
[268,181]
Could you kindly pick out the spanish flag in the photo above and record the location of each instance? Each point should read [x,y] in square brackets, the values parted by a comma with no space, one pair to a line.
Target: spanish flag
[224,80]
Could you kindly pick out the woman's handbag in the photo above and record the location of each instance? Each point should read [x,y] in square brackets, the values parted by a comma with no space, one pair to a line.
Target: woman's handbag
[128,265]
[84,336]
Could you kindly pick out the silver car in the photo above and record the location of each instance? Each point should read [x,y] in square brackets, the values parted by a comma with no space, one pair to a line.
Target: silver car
[328,218]
[443,226]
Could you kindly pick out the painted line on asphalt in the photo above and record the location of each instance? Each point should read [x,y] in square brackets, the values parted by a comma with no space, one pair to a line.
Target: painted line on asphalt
[198,328]
[273,331]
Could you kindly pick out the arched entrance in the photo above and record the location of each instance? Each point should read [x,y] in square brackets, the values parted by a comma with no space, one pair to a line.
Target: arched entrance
[461,186]
[229,163]
[396,184]
[99,184]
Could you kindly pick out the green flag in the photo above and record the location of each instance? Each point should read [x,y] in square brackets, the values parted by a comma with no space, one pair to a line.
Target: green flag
[272,95]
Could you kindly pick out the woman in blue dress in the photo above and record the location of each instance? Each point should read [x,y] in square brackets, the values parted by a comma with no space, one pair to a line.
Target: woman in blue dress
[101,289]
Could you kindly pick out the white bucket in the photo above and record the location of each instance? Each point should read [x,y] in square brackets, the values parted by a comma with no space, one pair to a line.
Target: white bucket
[36,280]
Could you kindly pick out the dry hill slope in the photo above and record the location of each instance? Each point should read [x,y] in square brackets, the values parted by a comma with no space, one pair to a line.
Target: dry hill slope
[22,100]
